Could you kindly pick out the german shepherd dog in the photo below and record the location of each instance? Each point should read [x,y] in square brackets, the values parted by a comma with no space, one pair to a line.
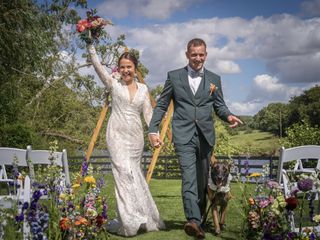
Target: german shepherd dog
[218,193]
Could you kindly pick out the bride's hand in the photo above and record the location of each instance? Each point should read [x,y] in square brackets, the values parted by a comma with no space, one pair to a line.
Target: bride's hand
[155,140]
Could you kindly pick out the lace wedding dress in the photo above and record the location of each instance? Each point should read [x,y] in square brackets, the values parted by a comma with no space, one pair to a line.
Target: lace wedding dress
[135,205]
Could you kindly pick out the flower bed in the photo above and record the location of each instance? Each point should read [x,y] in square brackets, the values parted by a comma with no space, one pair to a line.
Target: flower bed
[269,215]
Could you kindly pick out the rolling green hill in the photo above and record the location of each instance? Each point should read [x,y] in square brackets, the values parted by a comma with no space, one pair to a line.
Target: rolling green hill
[256,143]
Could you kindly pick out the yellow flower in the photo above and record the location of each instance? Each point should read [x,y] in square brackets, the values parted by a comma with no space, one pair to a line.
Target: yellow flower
[20,177]
[255,174]
[75,186]
[62,196]
[316,218]
[91,213]
[90,180]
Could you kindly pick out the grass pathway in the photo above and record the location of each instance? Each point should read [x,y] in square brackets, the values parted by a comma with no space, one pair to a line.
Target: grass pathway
[167,196]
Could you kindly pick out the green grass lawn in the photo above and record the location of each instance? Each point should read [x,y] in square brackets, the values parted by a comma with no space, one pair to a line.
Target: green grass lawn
[167,195]
[256,142]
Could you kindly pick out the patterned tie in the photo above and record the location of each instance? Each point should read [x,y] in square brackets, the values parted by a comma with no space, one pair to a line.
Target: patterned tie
[195,74]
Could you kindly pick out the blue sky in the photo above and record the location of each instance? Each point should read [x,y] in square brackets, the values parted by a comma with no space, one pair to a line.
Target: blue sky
[265,51]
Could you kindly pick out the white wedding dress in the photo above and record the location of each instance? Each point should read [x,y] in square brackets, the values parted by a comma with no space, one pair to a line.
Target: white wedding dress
[135,205]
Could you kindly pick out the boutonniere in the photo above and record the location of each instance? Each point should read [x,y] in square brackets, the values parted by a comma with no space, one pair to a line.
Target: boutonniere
[212,88]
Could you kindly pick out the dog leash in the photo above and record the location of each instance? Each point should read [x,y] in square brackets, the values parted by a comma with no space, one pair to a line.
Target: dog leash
[206,215]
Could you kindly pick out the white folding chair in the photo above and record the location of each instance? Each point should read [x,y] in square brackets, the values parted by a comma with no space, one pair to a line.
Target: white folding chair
[20,195]
[42,157]
[300,155]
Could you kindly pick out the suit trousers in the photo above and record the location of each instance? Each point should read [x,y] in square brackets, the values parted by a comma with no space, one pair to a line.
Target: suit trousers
[194,159]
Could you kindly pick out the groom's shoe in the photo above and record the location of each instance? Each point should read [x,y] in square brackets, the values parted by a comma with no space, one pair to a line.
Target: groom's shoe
[192,229]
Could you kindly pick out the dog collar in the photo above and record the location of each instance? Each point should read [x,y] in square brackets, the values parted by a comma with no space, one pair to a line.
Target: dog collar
[223,189]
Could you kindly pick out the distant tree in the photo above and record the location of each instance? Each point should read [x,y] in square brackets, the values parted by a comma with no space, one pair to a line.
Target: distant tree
[272,118]
[301,134]
[41,87]
[223,145]
[305,107]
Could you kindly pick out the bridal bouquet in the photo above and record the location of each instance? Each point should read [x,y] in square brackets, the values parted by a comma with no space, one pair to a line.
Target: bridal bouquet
[91,28]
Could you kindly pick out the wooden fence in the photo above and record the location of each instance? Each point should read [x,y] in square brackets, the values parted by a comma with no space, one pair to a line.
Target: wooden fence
[167,167]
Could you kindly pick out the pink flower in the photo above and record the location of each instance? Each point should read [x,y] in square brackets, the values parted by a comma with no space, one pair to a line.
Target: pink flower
[114,70]
[264,203]
[271,198]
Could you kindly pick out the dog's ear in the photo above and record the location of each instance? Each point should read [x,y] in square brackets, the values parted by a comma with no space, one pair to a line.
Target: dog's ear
[213,160]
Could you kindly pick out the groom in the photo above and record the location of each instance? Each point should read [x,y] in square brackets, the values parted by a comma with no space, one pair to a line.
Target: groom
[195,92]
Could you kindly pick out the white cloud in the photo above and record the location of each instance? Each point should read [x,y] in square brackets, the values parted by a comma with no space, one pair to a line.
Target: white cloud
[245,108]
[227,66]
[289,46]
[267,88]
[152,9]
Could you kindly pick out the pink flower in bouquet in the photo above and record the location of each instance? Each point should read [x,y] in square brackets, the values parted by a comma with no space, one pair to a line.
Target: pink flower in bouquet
[115,70]
[91,28]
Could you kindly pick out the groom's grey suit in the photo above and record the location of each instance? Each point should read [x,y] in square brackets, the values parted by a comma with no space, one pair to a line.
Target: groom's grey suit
[193,132]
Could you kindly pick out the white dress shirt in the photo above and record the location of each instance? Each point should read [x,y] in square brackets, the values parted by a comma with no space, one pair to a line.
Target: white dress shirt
[194,78]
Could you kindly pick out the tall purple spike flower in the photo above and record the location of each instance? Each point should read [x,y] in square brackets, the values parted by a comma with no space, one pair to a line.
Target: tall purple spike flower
[84,167]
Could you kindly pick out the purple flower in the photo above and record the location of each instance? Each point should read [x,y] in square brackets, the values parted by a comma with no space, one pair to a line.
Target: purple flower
[305,185]
[246,167]
[294,191]
[291,235]
[104,209]
[19,218]
[25,206]
[273,184]
[36,195]
[84,167]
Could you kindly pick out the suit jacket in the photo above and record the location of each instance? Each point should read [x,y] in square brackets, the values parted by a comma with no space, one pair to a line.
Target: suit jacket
[190,110]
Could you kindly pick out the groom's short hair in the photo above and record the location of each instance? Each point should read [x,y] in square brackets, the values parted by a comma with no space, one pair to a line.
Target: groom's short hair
[196,42]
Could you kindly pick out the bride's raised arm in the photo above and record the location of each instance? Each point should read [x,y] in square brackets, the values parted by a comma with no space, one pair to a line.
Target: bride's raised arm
[103,74]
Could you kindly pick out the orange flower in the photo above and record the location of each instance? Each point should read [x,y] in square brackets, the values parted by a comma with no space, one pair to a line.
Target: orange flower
[251,201]
[65,223]
[81,221]
[212,88]
[82,25]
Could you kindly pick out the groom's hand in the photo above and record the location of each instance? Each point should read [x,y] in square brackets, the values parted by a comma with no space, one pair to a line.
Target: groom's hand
[155,140]
[234,121]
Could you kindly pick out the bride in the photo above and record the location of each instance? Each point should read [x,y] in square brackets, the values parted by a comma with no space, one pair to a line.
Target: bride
[135,206]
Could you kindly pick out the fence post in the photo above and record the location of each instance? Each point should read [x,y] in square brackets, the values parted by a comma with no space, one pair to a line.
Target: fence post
[270,167]
[166,167]
[144,164]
